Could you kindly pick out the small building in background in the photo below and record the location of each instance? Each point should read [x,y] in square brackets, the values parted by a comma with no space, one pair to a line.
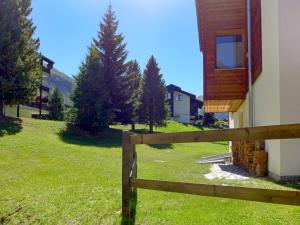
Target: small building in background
[184,107]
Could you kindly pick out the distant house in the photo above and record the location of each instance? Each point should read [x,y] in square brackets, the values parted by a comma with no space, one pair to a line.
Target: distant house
[183,106]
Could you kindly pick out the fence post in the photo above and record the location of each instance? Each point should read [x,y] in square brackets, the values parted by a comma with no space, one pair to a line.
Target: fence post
[127,155]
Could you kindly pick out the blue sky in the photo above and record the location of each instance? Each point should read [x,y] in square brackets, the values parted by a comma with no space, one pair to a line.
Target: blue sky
[165,28]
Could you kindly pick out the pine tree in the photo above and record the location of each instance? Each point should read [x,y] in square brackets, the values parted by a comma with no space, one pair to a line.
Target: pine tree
[132,81]
[153,108]
[20,70]
[208,119]
[113,54]
[91,113]
[56,105]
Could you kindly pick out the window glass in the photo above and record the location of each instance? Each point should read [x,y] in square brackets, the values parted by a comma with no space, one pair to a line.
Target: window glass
[179,98]
[229,51]
[169,96]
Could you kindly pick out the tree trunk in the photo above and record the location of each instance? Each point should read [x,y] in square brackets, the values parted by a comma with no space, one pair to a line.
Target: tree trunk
[151,128]
[133,126]
[1,110]
[18,111]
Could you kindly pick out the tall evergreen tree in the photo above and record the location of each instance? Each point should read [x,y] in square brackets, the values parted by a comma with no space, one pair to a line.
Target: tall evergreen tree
[56,105]
[113,54]
[20,70]
[91,113]
[153,108]
[132,81]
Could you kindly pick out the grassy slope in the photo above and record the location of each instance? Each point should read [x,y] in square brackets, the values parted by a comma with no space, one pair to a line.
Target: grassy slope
[25,111]
[49,179]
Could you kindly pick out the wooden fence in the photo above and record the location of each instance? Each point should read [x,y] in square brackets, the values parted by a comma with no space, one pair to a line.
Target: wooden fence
[129,165]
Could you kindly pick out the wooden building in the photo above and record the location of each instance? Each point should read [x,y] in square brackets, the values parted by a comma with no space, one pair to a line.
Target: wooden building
[275,56]
[223,41]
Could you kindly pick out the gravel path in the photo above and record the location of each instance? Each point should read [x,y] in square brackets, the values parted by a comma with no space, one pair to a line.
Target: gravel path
[227,171]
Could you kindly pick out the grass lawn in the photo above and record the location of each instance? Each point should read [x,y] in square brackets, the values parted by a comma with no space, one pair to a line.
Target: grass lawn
[25,111]
[49,178]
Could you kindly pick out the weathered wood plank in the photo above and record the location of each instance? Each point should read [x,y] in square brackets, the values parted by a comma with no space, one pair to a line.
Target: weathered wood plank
[258,133]
[127,155]
[249,194]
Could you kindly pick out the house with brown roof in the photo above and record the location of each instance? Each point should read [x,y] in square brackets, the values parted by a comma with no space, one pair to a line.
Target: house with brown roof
[184,107]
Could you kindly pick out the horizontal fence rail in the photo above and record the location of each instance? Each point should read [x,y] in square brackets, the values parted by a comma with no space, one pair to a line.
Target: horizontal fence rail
[258,133]
[129,166]
[241,193]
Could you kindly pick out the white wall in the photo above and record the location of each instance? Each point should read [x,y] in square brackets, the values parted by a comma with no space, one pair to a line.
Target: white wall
[289,11]
[266,89]
[277,90]
[181,108]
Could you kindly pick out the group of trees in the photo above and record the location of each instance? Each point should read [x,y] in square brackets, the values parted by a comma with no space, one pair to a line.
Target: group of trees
[110,90]
[20,69]
[20,62]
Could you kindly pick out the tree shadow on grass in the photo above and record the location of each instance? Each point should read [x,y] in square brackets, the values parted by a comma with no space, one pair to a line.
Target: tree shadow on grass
[111,138]
[157,146]
[10,126]
[133,205]
[198,126]
[162,146]
[225,143]
[287,184]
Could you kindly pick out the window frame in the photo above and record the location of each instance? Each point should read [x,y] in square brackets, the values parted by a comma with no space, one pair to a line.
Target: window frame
[180,98]
[232,32]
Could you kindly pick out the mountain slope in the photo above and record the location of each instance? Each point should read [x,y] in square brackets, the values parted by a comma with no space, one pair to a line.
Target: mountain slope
[64,83]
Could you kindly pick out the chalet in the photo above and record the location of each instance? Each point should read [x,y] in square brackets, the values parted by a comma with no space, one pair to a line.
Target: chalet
[183,106]
[263,34]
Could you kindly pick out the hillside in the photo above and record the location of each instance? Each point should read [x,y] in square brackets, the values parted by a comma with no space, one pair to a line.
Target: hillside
[63,82]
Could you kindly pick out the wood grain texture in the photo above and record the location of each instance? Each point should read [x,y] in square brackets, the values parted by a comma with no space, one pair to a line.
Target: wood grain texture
[127,160]
[249,194]
[256,39]
[257,133]
[225,16]
[222,105]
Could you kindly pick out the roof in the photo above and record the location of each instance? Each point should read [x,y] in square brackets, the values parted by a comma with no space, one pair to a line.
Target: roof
[173,88]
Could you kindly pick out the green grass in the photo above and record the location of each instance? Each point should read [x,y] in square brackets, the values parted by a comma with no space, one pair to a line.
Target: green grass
[49,178]
[25,111]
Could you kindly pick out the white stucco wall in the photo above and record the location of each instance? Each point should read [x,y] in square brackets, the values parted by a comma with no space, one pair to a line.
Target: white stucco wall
[289,48]
[267,87]
[181,108]
[277,90]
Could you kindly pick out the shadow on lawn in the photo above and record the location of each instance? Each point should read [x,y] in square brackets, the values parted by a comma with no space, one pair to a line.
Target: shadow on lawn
[111,138]
[157,146]
[10,126]
[221,143]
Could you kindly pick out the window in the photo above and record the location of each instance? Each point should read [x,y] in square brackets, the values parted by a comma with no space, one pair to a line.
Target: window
[229,51]
[169,96]
[179,98]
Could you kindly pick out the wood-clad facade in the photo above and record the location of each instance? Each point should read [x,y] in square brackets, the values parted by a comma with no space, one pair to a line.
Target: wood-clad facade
[222,21]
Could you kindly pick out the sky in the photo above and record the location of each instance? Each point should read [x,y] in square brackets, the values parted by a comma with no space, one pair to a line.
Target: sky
[165,28]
